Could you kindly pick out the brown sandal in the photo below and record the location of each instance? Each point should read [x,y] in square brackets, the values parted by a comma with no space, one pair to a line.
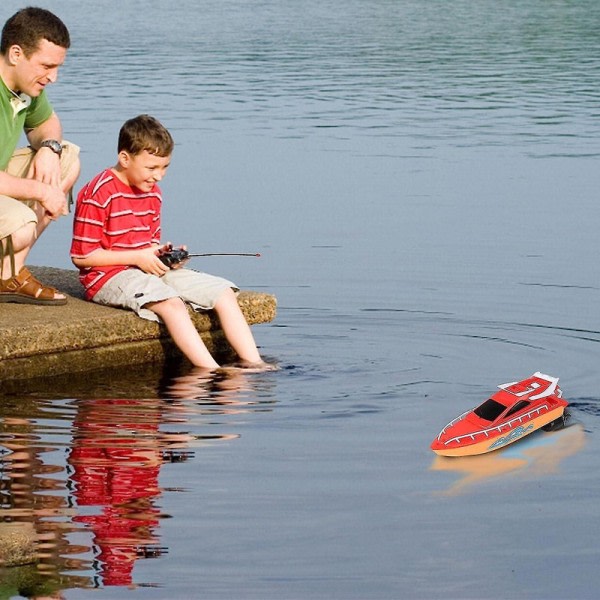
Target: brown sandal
[24,288]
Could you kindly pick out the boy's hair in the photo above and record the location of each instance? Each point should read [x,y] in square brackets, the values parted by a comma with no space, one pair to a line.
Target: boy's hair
[145,133]
[27,27]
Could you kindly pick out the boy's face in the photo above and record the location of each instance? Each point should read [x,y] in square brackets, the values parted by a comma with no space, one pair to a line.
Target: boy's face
[143,170]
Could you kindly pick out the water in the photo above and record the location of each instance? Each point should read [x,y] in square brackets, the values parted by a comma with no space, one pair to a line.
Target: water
[421,181]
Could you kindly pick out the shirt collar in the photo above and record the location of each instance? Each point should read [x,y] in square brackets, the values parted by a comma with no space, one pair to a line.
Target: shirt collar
[19,101]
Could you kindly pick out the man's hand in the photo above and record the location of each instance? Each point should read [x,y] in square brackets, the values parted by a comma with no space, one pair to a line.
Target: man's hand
[45,167]
[54,201]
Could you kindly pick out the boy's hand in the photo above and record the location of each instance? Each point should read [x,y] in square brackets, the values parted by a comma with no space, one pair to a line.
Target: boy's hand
[149,262]
[182,262]
[174,260]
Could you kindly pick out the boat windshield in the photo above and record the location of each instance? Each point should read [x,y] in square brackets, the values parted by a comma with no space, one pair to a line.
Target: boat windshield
[521,404]
[489,410]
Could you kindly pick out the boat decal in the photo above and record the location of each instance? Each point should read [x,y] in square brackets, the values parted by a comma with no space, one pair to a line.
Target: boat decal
[498,428]
[511,437]
[548,390]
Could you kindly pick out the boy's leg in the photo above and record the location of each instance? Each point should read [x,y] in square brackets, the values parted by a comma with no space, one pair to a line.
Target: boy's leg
[151,299]
[235,327]
[210,292]
[175,316]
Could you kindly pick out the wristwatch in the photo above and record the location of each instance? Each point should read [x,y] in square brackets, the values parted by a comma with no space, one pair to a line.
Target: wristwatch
[55,146]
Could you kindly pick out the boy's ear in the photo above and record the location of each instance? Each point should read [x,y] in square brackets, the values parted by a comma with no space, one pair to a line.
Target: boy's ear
[124,159]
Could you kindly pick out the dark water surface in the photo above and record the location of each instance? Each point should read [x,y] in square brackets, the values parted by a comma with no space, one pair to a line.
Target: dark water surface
[421,179]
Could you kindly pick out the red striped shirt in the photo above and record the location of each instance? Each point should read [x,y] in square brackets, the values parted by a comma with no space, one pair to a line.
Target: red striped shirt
[113,216]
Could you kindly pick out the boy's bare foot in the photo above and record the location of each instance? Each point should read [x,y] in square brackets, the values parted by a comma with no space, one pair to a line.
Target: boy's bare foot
[256,367]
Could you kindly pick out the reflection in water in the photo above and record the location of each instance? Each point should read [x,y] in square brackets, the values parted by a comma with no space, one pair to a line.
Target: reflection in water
[539,454]
[103,502]
[115,459]
[34,508]
[227,391]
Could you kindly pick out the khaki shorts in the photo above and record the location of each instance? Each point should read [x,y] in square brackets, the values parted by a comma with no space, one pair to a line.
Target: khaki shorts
[134,289]
[15,214]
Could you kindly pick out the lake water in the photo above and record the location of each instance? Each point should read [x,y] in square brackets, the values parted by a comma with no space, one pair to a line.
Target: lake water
[421,178]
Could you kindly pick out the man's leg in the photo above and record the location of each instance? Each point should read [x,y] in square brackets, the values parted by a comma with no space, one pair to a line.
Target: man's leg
[22,240]
[70,166]
[25,221]
[18,232]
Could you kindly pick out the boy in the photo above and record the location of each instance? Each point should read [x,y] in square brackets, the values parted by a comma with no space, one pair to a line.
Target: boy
[116,246]
[34,181]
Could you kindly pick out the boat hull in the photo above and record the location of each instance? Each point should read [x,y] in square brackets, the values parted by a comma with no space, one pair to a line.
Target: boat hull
[507,435]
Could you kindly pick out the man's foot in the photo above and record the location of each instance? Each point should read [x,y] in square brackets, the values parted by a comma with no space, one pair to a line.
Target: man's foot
[24,288]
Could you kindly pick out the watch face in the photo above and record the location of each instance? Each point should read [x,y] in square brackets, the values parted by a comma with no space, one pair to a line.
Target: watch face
[53,145]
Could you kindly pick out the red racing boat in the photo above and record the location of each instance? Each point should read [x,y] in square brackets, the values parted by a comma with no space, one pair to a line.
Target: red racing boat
[518,409]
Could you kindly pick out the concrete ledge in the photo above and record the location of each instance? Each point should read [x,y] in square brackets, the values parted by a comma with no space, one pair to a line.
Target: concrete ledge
[80,336]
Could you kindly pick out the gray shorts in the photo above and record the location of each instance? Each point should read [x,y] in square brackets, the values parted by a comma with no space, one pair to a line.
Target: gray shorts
[134,289]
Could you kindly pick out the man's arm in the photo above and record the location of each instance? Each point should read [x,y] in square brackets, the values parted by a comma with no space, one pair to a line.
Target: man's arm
[43,181]
[50,129]
[50,197]
[46,163]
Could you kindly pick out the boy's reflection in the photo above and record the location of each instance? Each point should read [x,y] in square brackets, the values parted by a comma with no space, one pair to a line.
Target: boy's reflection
[116,456]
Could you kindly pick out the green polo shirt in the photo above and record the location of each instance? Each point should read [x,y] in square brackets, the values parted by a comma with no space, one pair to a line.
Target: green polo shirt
[16,114]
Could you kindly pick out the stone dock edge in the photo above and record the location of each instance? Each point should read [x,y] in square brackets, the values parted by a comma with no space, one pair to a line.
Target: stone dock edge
[39,341]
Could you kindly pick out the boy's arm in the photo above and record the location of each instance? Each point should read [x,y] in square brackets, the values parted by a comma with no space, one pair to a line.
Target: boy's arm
[146,259]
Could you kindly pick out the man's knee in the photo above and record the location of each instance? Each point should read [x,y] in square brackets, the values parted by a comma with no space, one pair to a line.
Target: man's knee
[15,216]
[70,164]
[24,237]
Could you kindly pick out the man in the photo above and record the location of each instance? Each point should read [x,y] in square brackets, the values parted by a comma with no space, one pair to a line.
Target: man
[34,181]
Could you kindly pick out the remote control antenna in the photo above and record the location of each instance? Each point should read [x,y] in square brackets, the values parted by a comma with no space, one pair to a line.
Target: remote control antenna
[226,254]
[177,255]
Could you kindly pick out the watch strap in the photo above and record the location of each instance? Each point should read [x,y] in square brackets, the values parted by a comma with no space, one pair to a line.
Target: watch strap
[54,145]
